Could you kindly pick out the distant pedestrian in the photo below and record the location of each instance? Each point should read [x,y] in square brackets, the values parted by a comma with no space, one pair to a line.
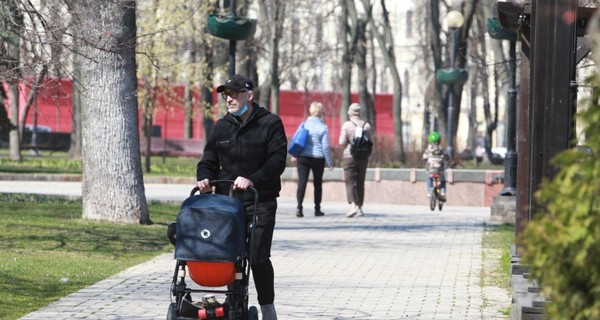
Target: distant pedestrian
[314,156]
[479,152]
[355,169]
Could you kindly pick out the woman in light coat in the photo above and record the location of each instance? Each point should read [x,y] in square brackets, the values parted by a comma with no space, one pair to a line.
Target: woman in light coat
[355,170]
[314,156]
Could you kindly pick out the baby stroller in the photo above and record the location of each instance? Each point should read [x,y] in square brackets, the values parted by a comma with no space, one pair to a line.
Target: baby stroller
[213,246]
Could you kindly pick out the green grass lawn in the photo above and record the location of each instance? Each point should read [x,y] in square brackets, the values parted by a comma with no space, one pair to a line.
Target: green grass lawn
[47,251]
[497,241]
[60,162]
[501,238]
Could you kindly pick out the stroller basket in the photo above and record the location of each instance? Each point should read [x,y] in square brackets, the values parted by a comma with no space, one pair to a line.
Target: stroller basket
[211,238]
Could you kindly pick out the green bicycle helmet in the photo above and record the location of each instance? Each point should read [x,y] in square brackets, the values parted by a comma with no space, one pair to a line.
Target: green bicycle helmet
[433,137]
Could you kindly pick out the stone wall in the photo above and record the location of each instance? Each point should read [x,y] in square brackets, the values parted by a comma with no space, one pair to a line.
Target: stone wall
[404,186]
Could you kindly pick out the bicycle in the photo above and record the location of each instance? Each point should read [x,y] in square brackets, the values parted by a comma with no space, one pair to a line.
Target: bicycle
[436,196]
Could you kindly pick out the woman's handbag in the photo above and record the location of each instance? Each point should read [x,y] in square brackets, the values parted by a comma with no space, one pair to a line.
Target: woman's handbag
[298,141]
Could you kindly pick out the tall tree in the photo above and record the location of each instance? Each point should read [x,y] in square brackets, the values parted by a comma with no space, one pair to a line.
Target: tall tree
[112,187]
[274,13]
[75,148]
[364,97]
[11,23]
[176,49]
[30,44]
[348,39]
[482,75]
[468,10]
[384,35]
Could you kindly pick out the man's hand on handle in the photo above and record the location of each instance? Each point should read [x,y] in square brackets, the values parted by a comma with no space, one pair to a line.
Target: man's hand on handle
[239,183]
[242,183]
[204,186]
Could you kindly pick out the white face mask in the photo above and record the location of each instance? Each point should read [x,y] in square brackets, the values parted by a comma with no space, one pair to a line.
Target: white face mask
[240,112]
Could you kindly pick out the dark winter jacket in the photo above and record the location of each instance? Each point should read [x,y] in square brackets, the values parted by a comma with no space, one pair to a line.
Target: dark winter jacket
[256,150]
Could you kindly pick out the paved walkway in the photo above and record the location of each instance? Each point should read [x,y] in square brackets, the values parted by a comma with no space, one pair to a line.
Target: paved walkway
[396,262]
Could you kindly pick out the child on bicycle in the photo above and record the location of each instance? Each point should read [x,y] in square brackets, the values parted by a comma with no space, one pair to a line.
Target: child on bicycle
[435,162]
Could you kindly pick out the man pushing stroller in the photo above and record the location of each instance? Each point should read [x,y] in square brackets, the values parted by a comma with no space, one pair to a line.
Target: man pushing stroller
[248,145]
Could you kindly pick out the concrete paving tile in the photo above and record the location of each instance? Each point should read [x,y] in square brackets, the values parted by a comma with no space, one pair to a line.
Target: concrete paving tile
[397,262]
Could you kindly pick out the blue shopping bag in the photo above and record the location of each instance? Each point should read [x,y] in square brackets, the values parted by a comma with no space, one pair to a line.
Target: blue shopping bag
[298,141]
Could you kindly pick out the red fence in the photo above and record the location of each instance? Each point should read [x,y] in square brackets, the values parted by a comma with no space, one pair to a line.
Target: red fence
[53,110]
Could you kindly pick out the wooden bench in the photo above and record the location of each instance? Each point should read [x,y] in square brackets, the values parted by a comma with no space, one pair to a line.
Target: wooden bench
[37,148]
[46,141]
[173,147]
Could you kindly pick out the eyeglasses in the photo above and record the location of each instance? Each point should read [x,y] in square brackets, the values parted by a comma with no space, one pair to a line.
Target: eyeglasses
[232,94]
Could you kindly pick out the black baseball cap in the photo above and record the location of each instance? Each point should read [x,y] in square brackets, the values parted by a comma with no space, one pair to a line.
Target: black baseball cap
[236,82]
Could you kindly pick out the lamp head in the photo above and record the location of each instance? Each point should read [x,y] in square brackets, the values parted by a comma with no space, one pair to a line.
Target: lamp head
[455,19]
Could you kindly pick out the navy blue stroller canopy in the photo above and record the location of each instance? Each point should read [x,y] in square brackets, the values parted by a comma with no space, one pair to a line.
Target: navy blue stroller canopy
[211,227]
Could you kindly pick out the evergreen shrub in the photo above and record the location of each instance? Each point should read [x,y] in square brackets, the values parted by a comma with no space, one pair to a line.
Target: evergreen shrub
[561,244]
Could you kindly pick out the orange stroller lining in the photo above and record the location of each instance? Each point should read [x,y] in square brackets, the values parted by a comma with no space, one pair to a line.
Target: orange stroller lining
[211,274]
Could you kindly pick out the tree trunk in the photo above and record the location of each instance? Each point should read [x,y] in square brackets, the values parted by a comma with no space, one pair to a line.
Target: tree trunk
[148,107]
[188,110]
[32,96]
[205,75]
[346,36]
[386,44]
[4,120]
[75,147]
[374,63]
[439,104]
[364,98]
[13,136]
[245,49]
[264,90]
[11,23]
[276,31]
[469,8]
[277,19]
[188,93]
[472,133]
[206,91]
[112,187]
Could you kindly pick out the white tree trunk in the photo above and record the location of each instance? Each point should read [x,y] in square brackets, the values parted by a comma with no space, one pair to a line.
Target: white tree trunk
[112,187]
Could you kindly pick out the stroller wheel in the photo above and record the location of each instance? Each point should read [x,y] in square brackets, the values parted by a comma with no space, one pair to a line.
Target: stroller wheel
[172,232]
[253,313]
[172,314]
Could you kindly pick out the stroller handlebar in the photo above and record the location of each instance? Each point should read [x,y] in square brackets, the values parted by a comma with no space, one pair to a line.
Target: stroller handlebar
[214,182]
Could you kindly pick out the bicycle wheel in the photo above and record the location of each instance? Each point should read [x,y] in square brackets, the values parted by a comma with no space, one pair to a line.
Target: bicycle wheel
[432,200]
[440,205]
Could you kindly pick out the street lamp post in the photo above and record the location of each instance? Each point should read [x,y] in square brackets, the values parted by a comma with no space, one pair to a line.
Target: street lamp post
[455,20]
[510,160]
[232,28]
[496,31]
[232,43]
